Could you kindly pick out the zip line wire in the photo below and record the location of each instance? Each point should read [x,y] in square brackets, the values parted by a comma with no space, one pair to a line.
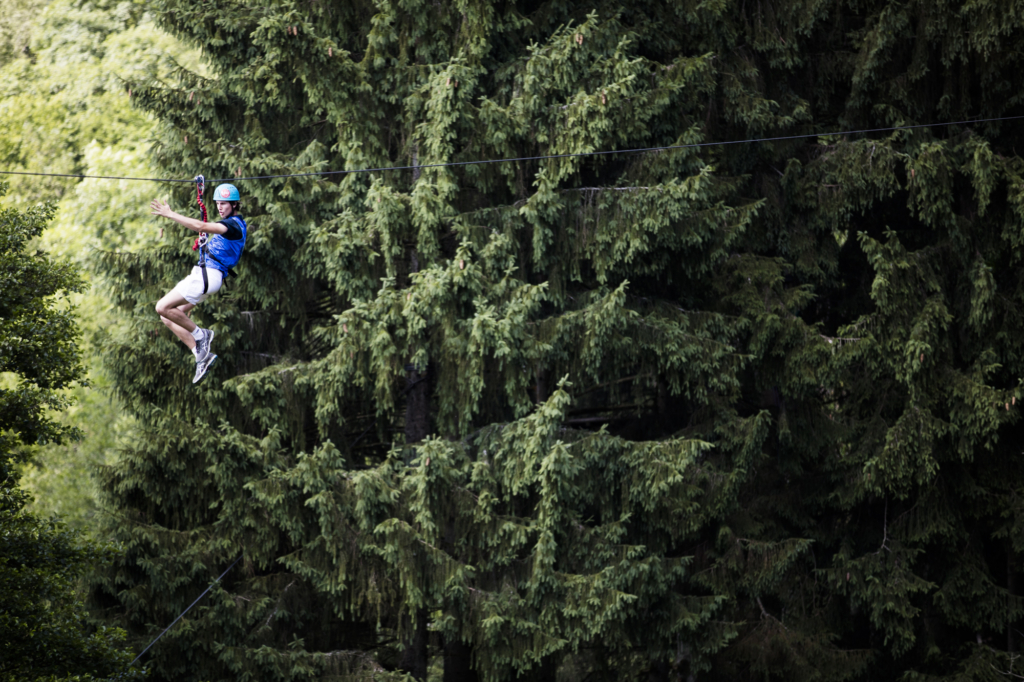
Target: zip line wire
[189,606]
[638,150]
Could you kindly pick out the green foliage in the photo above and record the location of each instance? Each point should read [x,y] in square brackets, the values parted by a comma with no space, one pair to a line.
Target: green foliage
[66,109]
[734,411]
[44,633]
[70,92]
[38,335]
[17,19]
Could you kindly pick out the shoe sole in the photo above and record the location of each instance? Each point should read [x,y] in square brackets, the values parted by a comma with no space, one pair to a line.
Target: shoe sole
[206,371]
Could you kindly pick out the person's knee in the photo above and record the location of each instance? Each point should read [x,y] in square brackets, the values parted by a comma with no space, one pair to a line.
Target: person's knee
[164,306]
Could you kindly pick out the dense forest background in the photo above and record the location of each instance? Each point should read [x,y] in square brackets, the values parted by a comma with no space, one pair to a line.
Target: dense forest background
[64,109]
[717,412]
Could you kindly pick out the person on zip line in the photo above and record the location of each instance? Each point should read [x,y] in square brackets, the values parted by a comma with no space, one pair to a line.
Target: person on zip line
[220,246]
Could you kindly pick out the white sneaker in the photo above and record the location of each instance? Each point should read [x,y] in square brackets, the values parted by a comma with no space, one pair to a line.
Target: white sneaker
[202,366]
[203,344]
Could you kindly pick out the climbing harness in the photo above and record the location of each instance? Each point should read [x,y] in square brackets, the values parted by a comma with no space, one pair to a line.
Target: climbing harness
[201,240]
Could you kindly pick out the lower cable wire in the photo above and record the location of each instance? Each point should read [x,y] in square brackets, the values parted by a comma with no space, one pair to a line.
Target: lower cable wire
[186,610]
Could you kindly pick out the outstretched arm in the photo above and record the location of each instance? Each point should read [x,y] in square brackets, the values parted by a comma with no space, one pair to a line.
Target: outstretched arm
[162,208]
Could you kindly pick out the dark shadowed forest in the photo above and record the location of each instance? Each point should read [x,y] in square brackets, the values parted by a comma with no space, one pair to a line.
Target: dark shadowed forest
[667,341]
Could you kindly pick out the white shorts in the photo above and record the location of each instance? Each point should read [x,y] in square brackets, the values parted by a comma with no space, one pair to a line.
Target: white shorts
[191,288]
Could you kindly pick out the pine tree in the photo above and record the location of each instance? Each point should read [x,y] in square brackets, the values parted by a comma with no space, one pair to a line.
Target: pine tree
[727,411]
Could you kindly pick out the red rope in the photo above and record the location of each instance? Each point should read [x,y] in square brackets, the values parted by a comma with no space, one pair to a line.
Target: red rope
[200,186]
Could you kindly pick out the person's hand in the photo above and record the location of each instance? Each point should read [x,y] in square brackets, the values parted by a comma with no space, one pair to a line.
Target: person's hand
[160,208]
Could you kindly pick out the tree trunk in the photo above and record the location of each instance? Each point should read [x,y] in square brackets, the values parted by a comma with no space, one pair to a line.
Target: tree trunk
[417,427]
[414,658]
[417,405]
[458,662]
[1011,587]
[547,671]
[658,671]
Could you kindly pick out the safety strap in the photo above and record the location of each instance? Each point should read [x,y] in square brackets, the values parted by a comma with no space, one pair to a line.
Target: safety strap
[201,240]
[231,271]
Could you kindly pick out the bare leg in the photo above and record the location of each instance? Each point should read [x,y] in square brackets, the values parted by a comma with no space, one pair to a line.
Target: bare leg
[182,333]
[174,312]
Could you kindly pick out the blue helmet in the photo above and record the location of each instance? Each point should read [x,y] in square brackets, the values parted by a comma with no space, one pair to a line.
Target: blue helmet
[226,193]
